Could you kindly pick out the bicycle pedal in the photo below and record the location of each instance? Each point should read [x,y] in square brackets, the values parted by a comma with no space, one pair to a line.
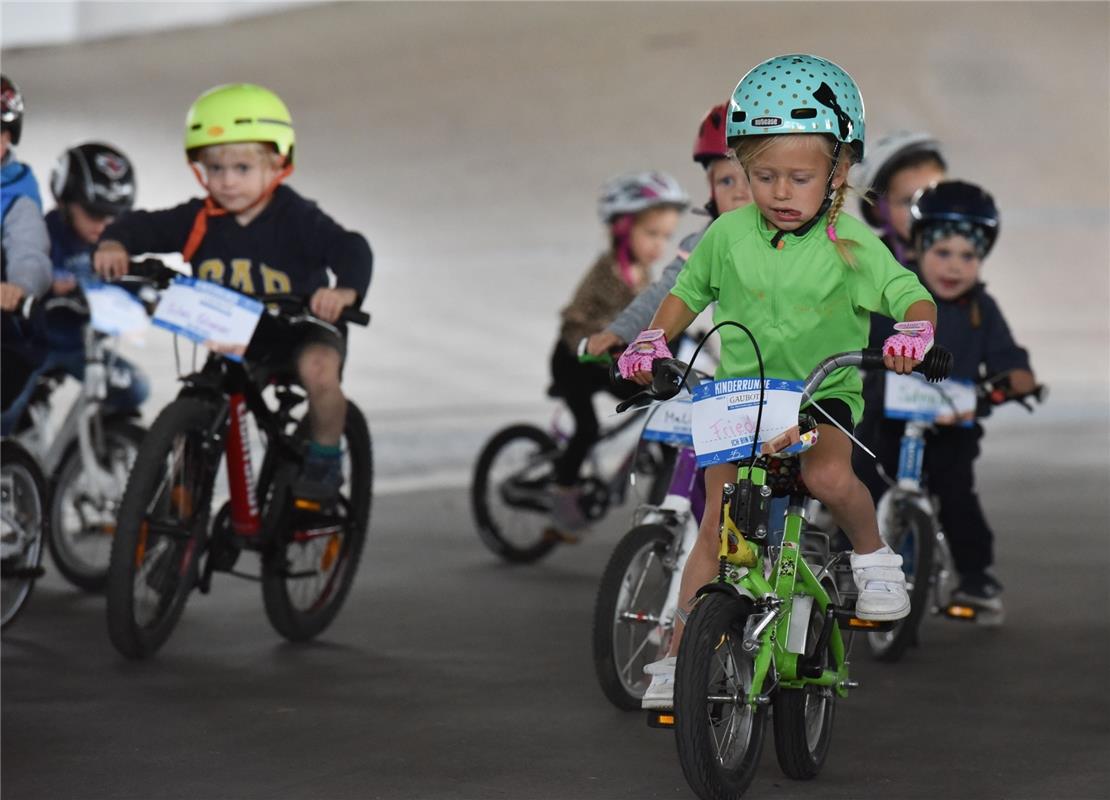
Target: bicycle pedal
[961,612]
[847,620]
[660,719]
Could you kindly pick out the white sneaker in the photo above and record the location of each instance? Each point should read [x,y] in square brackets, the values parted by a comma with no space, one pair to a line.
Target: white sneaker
[660,692]
[881,584]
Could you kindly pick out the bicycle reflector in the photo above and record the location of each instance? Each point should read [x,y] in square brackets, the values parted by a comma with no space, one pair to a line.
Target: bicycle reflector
[660,719]
[956,611]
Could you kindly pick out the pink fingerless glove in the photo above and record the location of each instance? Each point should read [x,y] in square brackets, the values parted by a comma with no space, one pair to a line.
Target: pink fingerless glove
[649,346]
[913,340]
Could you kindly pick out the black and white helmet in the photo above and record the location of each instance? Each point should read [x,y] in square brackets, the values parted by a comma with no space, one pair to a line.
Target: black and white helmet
[96,176]
[888,155]
[638,191]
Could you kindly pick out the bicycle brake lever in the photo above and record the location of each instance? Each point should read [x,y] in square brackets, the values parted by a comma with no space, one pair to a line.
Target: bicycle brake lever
[624,405]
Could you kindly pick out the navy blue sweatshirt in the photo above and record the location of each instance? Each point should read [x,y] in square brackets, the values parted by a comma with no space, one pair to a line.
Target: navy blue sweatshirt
[288,248]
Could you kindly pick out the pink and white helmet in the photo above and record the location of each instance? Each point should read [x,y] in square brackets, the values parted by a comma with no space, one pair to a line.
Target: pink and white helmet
[638,191]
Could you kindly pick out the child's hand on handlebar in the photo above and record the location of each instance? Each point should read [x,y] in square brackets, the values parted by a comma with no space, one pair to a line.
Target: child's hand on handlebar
[328,303]
[111,260]
[904,350]
[10,296]
[635,362]
[600,343]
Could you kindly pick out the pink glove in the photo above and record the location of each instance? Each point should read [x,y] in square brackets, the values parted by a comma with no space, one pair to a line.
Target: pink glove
[914,340]
[649,346]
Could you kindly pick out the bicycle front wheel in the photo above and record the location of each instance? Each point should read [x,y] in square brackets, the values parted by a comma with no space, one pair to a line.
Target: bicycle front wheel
[161,529]
[718,734]
[305,580]
[510,493]
[22,518]
[631,624]
[82,516]
[911,533]
[803,718]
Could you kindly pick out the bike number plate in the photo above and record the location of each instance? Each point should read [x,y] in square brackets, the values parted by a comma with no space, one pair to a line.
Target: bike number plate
[113,310]
[210,315]
[912,397]
[670,422]
[725,413]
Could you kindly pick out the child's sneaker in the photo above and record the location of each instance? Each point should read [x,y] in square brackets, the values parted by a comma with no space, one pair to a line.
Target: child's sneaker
[321,475]
[982,592]
[660,692]
[881,584]
[566,511]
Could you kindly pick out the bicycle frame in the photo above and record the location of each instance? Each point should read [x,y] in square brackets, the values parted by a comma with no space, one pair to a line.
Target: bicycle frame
[784,589]
[81,422]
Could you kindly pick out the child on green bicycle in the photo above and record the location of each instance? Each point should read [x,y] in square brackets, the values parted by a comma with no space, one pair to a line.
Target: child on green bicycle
[955,225]
[258,236]
[641,211]
[804,277]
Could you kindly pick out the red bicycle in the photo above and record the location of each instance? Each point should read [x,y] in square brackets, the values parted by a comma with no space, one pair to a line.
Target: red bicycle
[167,543]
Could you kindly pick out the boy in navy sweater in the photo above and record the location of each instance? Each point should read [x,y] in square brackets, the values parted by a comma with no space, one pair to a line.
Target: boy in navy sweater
[258,236]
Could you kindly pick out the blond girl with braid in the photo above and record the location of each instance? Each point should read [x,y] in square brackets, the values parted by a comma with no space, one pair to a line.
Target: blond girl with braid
[804,276]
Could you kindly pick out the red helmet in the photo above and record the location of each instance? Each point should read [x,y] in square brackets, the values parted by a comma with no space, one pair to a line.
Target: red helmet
[710,144]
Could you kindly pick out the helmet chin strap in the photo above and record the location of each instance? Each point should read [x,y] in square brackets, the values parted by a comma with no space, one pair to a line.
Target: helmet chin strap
[212,209]
[776,240]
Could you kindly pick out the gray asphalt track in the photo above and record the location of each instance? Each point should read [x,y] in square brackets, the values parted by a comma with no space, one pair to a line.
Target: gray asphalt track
[467,142]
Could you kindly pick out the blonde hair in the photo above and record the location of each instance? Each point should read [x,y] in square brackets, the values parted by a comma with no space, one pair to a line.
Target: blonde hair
[264,150]
[749,149]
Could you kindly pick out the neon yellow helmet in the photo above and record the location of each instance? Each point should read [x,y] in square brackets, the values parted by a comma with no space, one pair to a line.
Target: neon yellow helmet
[239,112]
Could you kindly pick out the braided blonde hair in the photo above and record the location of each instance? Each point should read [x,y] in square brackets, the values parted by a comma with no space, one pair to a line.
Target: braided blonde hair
[748,150]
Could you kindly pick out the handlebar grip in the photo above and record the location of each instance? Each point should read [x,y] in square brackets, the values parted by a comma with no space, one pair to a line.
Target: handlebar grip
[355,317]
[936,366]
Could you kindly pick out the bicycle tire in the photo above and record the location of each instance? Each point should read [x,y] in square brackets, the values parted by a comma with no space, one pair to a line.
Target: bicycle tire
[20,570]
[172,448]
[803,718]
[620,591]
[913,535]
[86,572]
[337,561]
[717,620]
[540,449]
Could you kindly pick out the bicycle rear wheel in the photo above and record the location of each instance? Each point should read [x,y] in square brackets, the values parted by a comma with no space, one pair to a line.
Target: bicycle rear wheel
[22,527]
[82,522]
[161,529]
[912,534]
[510,493]
[629,631]
[306,578]
[718,735]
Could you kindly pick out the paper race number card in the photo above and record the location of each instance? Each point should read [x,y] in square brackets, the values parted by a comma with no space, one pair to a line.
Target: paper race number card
[221,319]
[670,422]
[912,397]
[113,310]
[725,414]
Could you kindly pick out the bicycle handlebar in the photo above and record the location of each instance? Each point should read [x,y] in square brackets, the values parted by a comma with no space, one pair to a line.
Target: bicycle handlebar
[667,372]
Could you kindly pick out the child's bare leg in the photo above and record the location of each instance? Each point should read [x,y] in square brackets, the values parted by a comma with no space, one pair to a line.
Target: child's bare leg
[702,563]
[318,366]
[827,471]
[877,570]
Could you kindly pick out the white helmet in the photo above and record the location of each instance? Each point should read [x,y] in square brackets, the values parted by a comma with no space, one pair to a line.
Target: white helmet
[638,191]
[872,175]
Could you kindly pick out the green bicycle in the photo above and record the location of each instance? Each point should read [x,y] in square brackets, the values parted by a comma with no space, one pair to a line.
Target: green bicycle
[767,633]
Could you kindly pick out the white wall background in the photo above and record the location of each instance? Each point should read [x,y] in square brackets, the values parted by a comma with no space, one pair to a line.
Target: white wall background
[56,22]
